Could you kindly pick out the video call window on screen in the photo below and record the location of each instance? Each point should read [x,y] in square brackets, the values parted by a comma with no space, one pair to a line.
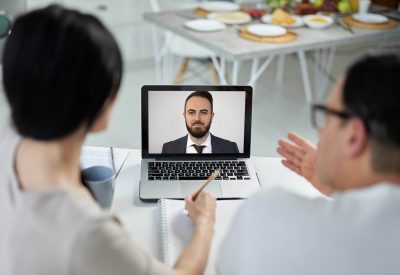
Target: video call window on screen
[196,122]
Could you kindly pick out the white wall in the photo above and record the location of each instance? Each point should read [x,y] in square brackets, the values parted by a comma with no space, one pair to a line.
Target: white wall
[125,20]
[166,121]
[13,7]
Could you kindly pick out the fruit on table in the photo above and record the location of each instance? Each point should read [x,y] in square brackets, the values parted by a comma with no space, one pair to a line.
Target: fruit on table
[255,13]
[329,5]
[278,3]
[305,8]
[343,6]
[318,3]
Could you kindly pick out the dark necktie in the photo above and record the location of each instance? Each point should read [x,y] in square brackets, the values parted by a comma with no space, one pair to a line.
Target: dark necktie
[199,148]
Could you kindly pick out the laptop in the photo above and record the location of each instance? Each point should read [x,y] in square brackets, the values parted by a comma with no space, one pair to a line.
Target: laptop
[188,132]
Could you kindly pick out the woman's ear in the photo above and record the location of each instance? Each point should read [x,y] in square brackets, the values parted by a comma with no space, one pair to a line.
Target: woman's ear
[101,122]
[358,138]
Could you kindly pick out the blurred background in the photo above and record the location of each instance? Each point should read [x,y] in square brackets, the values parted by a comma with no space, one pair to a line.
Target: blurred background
[277,109]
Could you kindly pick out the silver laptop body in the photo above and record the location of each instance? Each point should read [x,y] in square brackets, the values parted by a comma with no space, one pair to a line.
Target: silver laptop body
[167,171]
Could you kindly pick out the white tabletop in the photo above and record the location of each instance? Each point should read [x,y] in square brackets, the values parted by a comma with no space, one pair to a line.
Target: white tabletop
[141,219]
[230,45]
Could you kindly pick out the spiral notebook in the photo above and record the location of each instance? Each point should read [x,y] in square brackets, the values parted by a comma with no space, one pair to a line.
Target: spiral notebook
[177,229]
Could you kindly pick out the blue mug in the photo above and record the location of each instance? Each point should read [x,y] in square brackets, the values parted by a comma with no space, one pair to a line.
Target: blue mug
[100,181]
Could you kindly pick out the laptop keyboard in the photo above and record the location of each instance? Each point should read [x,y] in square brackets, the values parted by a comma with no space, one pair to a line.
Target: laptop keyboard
[197,170]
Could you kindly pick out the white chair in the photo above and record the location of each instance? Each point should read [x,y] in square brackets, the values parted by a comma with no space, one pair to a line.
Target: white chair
[174,45]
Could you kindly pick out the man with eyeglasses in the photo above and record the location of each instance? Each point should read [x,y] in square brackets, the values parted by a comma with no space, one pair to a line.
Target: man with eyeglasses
[357,163]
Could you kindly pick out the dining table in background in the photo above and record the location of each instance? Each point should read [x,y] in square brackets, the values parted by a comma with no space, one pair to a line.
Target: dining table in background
[229,46]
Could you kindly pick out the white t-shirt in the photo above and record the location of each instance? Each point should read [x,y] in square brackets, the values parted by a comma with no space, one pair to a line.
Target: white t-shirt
[276,232]
[60,231]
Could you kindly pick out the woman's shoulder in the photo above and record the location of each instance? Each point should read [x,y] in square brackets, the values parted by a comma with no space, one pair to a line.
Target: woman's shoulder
[62,204]
[62,213]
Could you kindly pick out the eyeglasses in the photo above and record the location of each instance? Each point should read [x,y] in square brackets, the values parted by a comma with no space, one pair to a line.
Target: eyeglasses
[319,114]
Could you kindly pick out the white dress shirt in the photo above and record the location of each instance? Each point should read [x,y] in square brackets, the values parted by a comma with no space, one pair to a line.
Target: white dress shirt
[277,232]
[206,150]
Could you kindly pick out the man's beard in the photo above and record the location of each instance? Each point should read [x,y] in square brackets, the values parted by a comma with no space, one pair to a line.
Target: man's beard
[196,132]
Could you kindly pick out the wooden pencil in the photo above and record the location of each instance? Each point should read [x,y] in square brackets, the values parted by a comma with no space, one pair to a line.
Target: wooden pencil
[210,178]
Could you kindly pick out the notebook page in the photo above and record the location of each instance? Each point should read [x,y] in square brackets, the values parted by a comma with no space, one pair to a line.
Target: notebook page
[177,229]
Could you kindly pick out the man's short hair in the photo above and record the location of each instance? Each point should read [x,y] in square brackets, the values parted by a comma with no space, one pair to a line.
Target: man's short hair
[60,66]
[204,94]
[372,92]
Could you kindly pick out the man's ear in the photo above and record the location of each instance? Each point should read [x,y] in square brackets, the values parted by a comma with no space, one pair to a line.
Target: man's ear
[358,137]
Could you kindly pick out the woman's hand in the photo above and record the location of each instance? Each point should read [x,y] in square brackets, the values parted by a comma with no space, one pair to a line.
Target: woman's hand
[194,257]
[202,209]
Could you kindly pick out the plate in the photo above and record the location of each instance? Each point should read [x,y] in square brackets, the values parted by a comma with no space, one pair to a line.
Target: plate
[370,18]
[298,21]
[236,17]
[266,30]
[218,6]
[204,25]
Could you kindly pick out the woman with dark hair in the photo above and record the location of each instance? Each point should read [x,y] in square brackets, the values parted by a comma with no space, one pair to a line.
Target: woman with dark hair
[61,71]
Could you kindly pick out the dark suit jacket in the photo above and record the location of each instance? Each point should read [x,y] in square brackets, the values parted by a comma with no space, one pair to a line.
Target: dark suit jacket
[218,145]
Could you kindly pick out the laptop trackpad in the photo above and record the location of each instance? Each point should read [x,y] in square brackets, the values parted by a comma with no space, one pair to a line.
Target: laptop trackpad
[188,187]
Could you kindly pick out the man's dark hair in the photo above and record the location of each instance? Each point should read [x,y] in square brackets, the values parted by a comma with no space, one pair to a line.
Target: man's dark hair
[205,94]
[372,92]
[59,68]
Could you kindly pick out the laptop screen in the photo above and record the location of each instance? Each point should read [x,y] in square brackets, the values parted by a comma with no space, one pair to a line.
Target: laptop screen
[196,121]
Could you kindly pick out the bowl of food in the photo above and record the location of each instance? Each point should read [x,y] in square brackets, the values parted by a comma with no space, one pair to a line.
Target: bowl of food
[255,13]
[255,10]
[318,21]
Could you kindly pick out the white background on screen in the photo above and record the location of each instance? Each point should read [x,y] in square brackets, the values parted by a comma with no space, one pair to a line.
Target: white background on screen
[166,121]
